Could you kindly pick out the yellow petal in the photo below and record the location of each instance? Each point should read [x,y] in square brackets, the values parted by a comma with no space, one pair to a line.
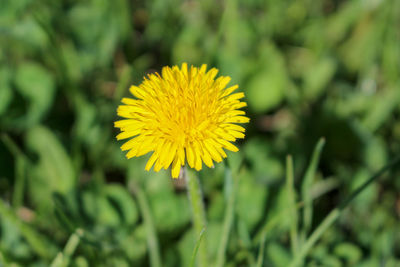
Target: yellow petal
[206,157]
[145,147]
[238,119]
[239,105]
[128,134]
[151,161]
[181,155]
[225,135]
[176,168]
[163,151]
[228,145]
[158,165]
[129,101]
[137,91]
[122,123]
[213,152]
[197,158]
[170,155]
[231,126]
[190,156]
[236,134]
[229,90]
[235,96]
[218,148]
[131,143]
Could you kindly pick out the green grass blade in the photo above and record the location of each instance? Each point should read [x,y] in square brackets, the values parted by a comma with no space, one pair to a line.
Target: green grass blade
[273,222]
[36,241]
[21,162]
[152,240]
[229,216]
[63,258]
[334,215]
[196,248]
[291,198]
[306,187]
[195,197]
[123,83]
[19,185]
[260,258]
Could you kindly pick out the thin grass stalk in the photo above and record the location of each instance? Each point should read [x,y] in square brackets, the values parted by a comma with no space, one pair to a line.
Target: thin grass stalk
[152,240]
[198,213]
[63,258]
[260,258]
[291,198]
[21,163]
[306,188]
[334,215]
[196,248]
[228,219]
[19,186]
[276,219]
[36,241]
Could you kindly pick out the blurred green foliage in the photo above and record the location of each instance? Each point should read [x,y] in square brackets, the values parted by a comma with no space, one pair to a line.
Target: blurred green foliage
[308,68]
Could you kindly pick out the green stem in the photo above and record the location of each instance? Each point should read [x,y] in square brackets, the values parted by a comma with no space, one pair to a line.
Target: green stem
[152,241]
[20,169]
[37,242]
[277,218]
[19,186]
[199,217]
[228,220]
[307,185]
[63,258]
[334,215]
[291,198]
[196,248]
[260,258]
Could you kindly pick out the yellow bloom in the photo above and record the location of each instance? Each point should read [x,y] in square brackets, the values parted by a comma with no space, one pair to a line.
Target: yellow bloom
[182,115]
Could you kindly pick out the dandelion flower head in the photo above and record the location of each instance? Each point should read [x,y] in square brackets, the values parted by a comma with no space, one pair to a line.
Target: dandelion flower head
[183,115]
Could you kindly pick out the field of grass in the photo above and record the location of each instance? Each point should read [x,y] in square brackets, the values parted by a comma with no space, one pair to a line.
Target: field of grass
[322,84]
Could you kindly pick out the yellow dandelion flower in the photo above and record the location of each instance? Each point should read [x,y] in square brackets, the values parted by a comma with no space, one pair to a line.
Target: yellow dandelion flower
[182,115]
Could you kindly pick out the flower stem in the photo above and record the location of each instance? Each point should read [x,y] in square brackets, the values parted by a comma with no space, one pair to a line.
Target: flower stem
[334,215]
[229,216]
[152,240]
[64,258]
[198,213]
[291,198]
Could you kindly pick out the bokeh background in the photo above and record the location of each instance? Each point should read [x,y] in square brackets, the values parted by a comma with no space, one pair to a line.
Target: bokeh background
[309,69]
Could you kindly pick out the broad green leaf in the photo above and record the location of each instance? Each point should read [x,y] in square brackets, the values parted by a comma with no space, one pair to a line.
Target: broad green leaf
[53,171]
[265,166]
[318,76]
[169,210]
[340,22]
[278,255]
[376,154]
[123,202]
[250,194]
[267,88]
[382,108]
[186,48]
[99,209]
[135,245]
[105,24]
[37,86]
[185,246]
[6,92]
[29,33]
[359,51]
[350,252]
